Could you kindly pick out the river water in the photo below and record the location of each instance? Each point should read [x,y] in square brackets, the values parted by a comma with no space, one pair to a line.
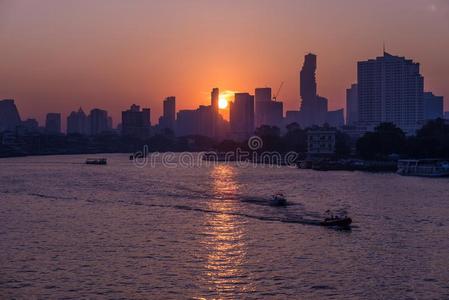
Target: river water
[70,230]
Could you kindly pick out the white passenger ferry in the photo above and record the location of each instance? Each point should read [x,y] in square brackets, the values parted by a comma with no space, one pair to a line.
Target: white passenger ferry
[423,167]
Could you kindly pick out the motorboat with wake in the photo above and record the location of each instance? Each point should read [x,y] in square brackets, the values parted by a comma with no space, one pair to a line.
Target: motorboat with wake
[96,161]
[278,200]
[336,221]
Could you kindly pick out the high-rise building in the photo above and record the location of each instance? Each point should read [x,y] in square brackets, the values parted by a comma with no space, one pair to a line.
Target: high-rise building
[352,105]
[308,86]
[168,119]
[9,115]
[215,112]
[433,106]
[262,95]
[267,111]
[31,125]
[313,107]
[336,118]
[242,116]
[390,89]
[53,123]
[136,122]
[446,115]
[98,121]
[186,122]
[77,122]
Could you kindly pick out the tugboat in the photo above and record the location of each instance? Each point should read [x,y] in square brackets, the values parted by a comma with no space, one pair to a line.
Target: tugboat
[336,221]
[96,161]
[278,200]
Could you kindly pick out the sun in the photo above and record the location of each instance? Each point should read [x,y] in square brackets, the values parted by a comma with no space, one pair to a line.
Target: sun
[222,102]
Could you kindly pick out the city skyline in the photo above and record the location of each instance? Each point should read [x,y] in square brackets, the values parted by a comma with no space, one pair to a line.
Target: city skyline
[82,63]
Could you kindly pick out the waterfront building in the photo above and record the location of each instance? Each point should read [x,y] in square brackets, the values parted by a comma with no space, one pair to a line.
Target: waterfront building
[53,123]
[433,106]
[30,125]
[335,118]
[77,122]
[390,89]
[321,142]
[267,111]
[9,115]
[352,105]
[313,107]
[242,116]
[98,121]
[186,122]
[168,118]
[136,122]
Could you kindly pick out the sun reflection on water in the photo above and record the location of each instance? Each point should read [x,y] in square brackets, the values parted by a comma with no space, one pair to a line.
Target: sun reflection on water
[225,238]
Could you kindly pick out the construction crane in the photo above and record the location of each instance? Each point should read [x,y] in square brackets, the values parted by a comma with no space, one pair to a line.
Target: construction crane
[275,97]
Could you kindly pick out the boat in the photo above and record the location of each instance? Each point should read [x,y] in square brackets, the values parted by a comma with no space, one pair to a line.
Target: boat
[96,161]
[278,200]
[336,222]
[423,167]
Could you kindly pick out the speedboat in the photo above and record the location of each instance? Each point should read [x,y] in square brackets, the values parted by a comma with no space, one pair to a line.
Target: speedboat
[96,161]
[278,200]
[336,222]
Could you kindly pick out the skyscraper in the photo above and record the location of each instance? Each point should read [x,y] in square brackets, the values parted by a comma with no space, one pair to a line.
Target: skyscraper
[77,122]
[268,112]
[186,122]
[390,89]
[98,121]
[433,106]
[242,116]
[214,99]
[136,122]
[167,120]
[53,123]
[313,107]
[352,105]
[308,89]
[9,115]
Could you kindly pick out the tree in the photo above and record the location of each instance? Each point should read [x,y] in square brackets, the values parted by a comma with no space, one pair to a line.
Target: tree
[431,141]
[386,139]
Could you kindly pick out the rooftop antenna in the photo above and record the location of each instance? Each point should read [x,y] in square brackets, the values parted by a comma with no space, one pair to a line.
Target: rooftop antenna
[384,48]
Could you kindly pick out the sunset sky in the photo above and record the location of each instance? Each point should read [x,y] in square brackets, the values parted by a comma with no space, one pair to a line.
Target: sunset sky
[59,55]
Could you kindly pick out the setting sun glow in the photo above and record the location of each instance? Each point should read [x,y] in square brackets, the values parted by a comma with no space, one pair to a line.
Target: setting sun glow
[222,102]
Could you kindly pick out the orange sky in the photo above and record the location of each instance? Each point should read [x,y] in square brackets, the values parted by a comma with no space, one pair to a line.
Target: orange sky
[59,55]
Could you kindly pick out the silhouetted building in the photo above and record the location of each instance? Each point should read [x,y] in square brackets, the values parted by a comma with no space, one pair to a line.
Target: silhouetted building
[198,122]
[292,116]
[267,111]
[168,119]
[53,123]
[313,107]
[215,111]
[98,121]
[110,123]
[242,116]
[31,125]
[335,118]
[352,105]
[320,142]
[446,115]
[186,122]
[77,123]
[390,89]
[206,119]
[9,115]
[433,106]
[136,122]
